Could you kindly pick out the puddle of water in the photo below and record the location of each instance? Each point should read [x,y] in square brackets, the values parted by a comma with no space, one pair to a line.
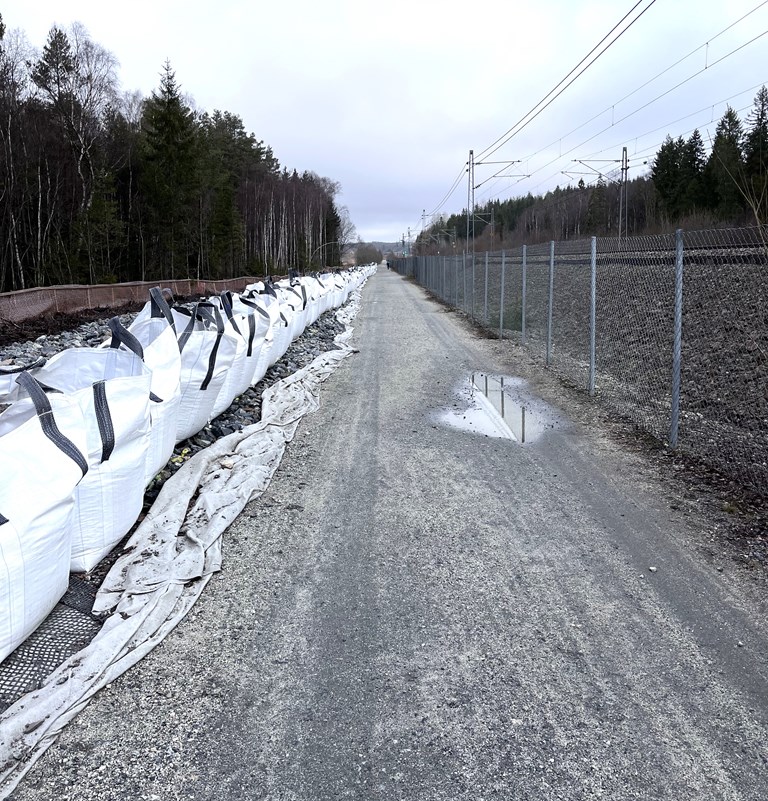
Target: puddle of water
[502,407]
[477,421]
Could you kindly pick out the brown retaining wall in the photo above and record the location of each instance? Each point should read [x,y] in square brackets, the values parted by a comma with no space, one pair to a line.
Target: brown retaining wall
[16,307]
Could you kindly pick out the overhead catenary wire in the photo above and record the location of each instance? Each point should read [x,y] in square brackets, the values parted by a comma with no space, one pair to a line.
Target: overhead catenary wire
[666,126]
[650,102]
[490,193]
[611,106]
[646,83]
[558,89]
[453,188]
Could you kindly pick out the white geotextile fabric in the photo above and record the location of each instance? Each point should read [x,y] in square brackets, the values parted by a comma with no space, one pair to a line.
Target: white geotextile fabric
[151,594]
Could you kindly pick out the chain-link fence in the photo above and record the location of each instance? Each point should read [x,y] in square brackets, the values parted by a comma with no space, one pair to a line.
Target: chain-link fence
[668,331]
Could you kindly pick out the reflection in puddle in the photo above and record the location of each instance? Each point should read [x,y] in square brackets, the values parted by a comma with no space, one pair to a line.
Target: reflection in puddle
[478,421]
[502,407]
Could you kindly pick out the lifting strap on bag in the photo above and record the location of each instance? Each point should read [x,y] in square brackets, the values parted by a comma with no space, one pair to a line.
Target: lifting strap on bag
[122,336]
[104,420]
[269,288]
[226,304]
[210,313]
[48,423]
[252,305]
[202,312]
[251,333]
[159,306]
[22,368]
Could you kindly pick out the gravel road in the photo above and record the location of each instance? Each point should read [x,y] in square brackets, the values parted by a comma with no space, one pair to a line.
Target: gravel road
[417,612]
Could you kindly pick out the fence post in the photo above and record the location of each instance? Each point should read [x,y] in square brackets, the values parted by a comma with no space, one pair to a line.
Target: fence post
[592,316]
[677,347]
[464,271]
[501,309]
[445,279]
[473,283]
[456,282]
[551,295]
[522,305]
[485,303]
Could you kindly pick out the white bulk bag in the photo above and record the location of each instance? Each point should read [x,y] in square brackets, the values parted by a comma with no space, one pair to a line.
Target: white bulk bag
[257,328]
[326,281]
[309,306]
[42,442]
[280,322]
[347,288]
[245,361]
[337,294]
[290,308]
[206,356]
[282,334]
[262,305]
[211,315]
[297,299]
[154,328]
[112,387]
[314,293]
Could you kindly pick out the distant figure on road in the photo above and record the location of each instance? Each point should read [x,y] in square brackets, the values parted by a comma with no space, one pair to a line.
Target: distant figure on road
[386,261]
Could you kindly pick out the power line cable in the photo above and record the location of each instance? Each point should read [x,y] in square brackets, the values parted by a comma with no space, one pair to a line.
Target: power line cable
[663,94]
[533,113]
[668,125]
[455,184]
[648,82]
[650,102]
[677,86]
[634,91]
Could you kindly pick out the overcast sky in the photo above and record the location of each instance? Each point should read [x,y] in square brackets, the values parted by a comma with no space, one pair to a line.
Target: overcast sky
[387,98]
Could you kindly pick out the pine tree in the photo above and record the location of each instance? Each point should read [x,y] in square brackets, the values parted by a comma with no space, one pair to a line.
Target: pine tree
[77,80]
[597,210]
[692,192]
[756,157]
[725,169]
[169,178]
[667,175]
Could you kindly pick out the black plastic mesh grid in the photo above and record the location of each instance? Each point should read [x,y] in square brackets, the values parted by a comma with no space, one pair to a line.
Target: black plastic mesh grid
[80,594]
[63,633]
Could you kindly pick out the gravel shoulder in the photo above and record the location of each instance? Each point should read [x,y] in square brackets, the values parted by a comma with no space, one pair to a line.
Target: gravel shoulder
[413,611]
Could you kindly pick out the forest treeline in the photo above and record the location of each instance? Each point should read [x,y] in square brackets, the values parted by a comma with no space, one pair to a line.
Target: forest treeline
[684,187]
[98,185]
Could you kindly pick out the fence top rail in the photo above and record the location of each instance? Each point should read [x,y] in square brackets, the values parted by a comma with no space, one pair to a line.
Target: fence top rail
[754,237]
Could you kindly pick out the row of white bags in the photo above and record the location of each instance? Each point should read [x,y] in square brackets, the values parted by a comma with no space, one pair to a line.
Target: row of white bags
[88,430]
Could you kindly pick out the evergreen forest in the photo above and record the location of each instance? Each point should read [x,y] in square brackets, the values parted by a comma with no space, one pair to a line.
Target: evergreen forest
[99,185]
